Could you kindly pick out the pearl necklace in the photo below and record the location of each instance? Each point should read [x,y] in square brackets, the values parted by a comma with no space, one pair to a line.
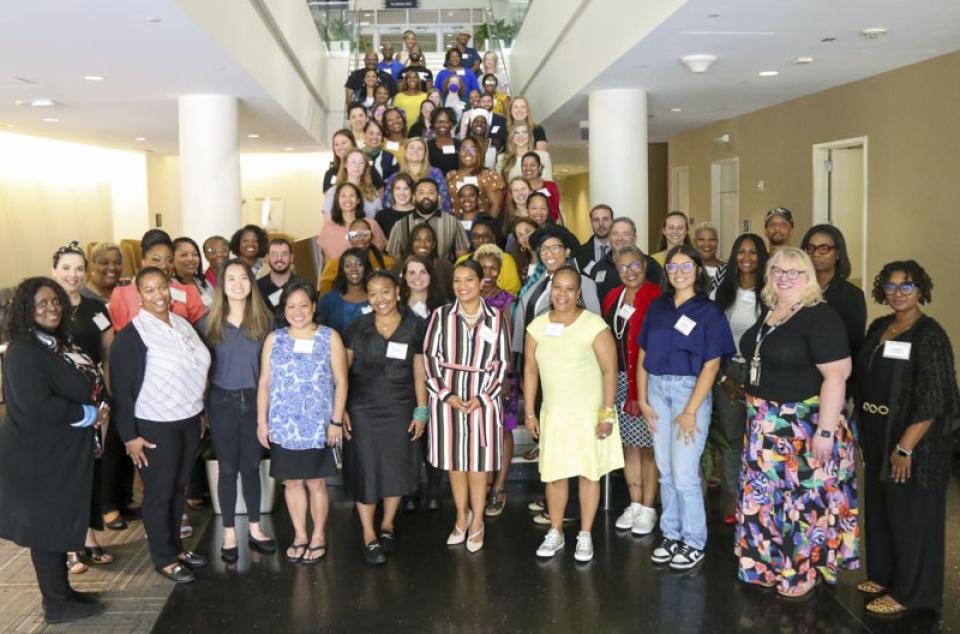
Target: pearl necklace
[470,320]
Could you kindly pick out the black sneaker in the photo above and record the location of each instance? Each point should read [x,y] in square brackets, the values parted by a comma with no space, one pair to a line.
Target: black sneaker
[373,553]
[665,551]
[686,557]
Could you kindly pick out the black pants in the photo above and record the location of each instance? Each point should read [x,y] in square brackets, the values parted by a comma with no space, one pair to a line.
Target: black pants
[116,482]
[233,425]
[51,569]
[165,481]
[905,530]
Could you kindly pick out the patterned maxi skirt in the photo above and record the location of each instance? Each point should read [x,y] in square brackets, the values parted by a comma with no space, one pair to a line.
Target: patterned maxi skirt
[796,518]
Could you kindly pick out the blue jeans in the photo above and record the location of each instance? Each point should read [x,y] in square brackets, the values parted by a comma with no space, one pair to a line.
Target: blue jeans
[683,517]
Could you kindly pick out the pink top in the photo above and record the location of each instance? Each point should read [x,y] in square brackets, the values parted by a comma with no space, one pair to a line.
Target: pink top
[332,239]
[125,303]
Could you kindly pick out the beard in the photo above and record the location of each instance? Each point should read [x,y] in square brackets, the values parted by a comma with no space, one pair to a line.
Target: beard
[426,206]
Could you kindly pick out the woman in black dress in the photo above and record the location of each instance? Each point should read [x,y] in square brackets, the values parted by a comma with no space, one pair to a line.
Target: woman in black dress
[908,407]
[47,444]
[386,410]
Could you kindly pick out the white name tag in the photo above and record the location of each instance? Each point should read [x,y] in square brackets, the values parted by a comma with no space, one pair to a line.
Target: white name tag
[601,275]
[470,180]
[178,295]
[302,346]
[897,350]
[626,311]
[333,180]
[685,325]
[461,72]
[531,269]
[449,149]
[423,75]
[589,267]
[101,321]
[544,191]
[553,330]
[488,335]
[366,310]
[274,297]
[494,129]
[79,359]
[396,351]
[393,146]
[420,309]
[466,224]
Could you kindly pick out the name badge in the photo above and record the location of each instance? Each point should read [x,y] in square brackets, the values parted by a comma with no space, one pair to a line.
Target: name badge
[449,149]
[470,180]
[396,351]
[366,310]
[101,321]
[553,330]
[423,75]
[79,359]
[420,309]
[601,275]
[393,146]
[466,224]
[685,325]
[531,269]
[178,295]
[274,297]
[589,267]
[626,311]
[494,129]
[333,179]
[461,72]
[897,350]
[488,335]
[544,191]
[302,346]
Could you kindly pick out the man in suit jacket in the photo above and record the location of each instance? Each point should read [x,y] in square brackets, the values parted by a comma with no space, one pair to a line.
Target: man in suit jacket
[623,231]
[594,249]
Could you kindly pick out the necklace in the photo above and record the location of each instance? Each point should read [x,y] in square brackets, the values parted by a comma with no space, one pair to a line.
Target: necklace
[893,331]
[470,320]
[387,325]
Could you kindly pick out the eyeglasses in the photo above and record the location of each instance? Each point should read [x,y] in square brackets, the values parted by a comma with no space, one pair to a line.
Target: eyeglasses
[44,305]
[634,266]
[553,249]
[790,274]
[468,150]
[216,251]
[686,267]
[353,235]
[819,249]
[905,288]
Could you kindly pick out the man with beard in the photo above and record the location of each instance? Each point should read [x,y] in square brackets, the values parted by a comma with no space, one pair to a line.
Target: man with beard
[451,238]
[415,63]
[598,246]
[622,232]
[280,261]
[390,64]
[779,225]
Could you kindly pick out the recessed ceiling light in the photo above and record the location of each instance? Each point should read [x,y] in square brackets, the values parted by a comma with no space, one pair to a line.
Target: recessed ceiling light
[873,32]
[51,120]
[93,77]
[43,102]
[713,15]
[253,136]
[801,60]
[154,20]
[288,149]
[140,138]
[769,73]
[829,39]
[676,109]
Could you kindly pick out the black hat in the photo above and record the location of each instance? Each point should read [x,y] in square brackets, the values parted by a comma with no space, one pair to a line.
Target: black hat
[779,211]
[554,231]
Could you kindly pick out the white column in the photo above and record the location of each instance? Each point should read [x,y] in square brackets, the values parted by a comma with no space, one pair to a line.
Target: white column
[209,166]
[618,154]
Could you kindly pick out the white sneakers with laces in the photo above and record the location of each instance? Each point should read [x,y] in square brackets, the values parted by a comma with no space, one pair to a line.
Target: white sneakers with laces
[552,544]
[584,551]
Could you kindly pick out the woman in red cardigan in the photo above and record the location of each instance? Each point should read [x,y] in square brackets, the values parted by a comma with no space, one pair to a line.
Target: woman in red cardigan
[624,308]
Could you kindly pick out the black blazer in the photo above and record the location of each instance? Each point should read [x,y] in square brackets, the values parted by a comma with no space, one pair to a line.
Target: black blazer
[128,363]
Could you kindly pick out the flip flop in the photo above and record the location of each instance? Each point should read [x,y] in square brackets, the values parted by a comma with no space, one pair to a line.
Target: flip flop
[870,587]
[883,607]
[302,548]
[313,549]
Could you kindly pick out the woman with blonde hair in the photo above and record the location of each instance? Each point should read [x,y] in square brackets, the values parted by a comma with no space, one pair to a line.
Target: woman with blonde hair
[520,141]
[797,509]
[518,190]
[414,162]
[519,112]
[106,267]
[355,169]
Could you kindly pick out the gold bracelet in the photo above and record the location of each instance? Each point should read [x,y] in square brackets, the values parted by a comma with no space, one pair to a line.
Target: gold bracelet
[606,414]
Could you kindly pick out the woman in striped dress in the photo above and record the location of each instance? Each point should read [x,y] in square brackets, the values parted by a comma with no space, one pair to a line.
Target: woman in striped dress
[466,359]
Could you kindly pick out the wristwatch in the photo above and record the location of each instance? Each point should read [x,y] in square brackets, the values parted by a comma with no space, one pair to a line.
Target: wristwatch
[825,433]
[903,452]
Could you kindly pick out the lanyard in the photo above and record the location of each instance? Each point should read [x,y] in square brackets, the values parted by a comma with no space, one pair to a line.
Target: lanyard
[618,329]
[761,337]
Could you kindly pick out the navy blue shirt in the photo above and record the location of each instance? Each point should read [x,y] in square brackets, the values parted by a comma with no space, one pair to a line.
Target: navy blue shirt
[668,351]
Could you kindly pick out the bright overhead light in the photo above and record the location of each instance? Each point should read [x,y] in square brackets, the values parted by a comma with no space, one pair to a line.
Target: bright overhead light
[698,63]
[43,102]
[93,77]
[801,60]
[873,32]
[676,109]
[769,73]
[288,149]
[51,120]
[253,136]
[140,138]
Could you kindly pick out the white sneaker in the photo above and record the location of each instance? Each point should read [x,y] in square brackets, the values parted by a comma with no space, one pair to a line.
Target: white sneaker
[552,544]
[645,521]
[686,557]
[584,550]
[537,506]
[628,517]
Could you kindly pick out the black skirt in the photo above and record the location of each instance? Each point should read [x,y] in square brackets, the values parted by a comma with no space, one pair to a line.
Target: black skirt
[379,461]
[301,464]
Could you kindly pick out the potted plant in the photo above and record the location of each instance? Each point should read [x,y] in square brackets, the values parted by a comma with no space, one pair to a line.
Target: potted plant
[339,34]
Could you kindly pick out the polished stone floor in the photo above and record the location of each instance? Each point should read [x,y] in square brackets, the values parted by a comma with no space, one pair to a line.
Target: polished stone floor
[429,587]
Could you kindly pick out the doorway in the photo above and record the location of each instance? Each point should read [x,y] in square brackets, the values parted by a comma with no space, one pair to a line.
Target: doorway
[725,201]
[840,196]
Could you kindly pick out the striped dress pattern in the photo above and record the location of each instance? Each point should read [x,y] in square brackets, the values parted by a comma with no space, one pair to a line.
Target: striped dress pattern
[468,363]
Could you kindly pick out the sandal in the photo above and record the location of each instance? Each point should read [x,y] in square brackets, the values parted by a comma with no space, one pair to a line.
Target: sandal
[74,564]
[797,595]
[298,551]
[98,555]
[313,549]
[497,501]
[886,606]
[870,587]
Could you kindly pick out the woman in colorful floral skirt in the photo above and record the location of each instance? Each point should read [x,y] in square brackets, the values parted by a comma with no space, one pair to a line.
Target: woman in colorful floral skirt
[797,510]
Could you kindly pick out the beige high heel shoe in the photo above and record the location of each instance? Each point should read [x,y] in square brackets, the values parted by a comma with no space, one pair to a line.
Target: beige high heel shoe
[458,535]
[474,546]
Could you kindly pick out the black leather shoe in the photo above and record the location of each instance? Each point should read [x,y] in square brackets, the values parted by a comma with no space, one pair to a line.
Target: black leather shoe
[118,524]
[192,559]
[266,546]
[373,554]
[91,598]
[70,611]
[411,504]
[387,541]
[229,555]
[178,574]
[433,504]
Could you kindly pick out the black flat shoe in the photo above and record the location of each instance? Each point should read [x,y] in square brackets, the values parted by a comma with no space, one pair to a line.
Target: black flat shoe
[387,541]
[433,504]
[266,546]
[411,504]
[91,598]
[178,574]
[72,611]
[118,524]
[373,554]
[132,513]
[229,555]
[192,559]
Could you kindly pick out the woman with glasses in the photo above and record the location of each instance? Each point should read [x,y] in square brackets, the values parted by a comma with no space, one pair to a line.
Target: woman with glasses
[624,308]
[347,299]
[907,410]
[797,512]
[472,172]
[684,340]
[360,236]
[217,251]
[443,149]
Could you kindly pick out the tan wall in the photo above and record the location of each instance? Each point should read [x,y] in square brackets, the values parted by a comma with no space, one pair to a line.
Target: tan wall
[910,118]
[658,192]
[575,204]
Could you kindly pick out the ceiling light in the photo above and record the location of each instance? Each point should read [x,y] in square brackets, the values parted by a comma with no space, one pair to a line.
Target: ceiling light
[564,170]
[873,33]
[51,120]
[769,73]
[288,149]
[253,136]
[154,20]
[676,109]
[698,63]
[801,60]
[93,77]
[140,138]
[43,102]
[713,15]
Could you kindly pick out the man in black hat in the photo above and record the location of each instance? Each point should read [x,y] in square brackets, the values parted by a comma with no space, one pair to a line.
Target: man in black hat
[779,225]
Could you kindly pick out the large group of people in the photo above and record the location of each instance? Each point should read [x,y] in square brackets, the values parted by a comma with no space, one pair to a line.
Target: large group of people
[452,305]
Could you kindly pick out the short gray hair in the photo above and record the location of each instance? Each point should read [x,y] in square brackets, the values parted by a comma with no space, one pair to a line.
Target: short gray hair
[627,220]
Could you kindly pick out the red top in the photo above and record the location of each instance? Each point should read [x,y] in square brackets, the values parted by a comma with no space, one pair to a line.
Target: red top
[184,301]
[641,301]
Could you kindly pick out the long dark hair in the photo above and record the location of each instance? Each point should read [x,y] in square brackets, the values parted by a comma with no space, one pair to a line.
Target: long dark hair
[843,260]
[200,277]
[340,282]
[417,229]
[727,290]
[435,298]
[703,281]
[257,319]
[20,315]
[336,214]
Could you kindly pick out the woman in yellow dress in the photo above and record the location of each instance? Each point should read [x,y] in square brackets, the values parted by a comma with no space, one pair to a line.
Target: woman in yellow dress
[570,353]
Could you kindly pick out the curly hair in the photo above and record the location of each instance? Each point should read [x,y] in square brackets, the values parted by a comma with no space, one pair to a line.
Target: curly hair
[20,316]
[237,236]
[913,272]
